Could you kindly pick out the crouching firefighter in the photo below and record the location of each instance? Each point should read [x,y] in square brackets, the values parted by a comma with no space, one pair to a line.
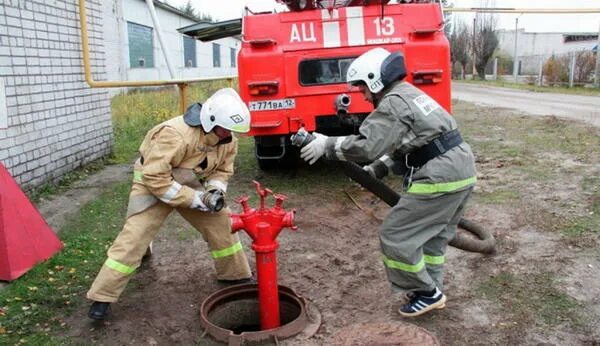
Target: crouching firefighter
[185,164]
[409,134]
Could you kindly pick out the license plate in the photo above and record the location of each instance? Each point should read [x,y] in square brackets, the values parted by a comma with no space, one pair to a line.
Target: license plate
[272,105]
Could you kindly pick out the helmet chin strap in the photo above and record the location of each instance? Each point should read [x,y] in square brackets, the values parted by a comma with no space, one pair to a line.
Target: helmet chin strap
[211,139]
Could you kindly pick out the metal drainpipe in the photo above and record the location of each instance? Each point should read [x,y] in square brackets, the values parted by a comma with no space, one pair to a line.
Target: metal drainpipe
[158,28]
[85,48]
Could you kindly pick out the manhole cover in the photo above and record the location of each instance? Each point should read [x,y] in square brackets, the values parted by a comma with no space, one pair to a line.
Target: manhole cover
[383,334]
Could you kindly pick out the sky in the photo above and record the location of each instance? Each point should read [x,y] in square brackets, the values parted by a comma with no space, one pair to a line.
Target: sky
[529,22]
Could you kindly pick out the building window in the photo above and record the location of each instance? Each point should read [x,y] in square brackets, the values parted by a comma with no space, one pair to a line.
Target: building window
[141,46]
[216,55]
[232,56]
[189,52]
[324,71]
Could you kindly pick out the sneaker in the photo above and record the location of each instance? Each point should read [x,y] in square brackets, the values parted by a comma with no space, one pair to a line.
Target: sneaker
[420,304]
[98,310]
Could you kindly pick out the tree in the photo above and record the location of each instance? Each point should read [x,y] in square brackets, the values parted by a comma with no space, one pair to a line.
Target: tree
[484,40]
[189,9]
[459,46]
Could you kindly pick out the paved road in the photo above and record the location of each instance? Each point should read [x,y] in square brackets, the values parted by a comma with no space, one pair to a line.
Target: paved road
[584,108]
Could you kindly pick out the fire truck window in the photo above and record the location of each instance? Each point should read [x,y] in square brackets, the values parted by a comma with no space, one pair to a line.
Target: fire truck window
[324,71]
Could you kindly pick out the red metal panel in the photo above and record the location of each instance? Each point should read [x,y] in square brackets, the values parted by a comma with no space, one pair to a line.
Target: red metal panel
[25,238]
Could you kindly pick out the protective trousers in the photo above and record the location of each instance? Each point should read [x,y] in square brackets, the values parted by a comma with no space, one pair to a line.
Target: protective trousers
[126,252]
[414,237]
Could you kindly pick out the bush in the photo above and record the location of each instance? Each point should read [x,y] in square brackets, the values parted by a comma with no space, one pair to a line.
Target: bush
[556,70]
[585,64]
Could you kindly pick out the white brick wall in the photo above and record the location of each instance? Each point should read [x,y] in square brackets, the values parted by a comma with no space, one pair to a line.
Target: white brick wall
[55,122]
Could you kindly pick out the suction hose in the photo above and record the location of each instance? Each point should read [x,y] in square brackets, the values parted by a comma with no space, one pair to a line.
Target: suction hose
[484,244]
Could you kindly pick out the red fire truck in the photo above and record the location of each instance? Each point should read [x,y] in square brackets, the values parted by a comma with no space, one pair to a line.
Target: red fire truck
[292,65]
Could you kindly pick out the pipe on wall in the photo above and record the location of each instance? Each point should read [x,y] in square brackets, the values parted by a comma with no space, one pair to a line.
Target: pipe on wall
[85,48]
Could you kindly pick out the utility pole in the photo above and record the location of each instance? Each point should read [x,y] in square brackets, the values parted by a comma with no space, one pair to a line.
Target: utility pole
[516,53]
[474,50]
[597,74]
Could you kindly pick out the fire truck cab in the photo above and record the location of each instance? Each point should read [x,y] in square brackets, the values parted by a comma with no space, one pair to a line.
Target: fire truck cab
[292,65]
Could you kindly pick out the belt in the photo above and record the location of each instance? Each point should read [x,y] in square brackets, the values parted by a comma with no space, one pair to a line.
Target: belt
[434,148]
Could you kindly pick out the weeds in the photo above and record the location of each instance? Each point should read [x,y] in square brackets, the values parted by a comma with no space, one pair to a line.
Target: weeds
[136,112]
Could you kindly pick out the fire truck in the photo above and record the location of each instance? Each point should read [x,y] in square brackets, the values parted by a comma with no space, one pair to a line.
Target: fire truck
[292,65]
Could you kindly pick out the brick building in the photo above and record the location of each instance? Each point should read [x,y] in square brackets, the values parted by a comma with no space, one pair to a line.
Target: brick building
[51,121]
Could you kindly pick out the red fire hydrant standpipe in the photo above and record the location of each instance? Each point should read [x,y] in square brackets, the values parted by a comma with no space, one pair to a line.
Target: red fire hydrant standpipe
[263,226]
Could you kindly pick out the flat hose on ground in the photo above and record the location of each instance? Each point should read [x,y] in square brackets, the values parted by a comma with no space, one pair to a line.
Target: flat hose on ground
[484,244]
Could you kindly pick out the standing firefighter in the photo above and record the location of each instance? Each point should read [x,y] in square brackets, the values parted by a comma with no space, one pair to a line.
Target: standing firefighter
[410,134]
[185,164]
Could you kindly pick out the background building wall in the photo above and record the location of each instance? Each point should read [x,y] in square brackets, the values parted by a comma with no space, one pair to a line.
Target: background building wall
[534,48]
[117,13]
[54,121]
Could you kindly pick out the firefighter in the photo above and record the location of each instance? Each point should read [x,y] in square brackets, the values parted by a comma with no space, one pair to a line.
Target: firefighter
[409,134]
[185,164]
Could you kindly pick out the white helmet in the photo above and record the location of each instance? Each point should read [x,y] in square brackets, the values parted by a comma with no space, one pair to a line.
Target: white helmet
[226,109]
[376,68]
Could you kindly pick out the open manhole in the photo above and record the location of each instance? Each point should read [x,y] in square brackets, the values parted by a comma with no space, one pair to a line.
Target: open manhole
[231,315]
[383,334]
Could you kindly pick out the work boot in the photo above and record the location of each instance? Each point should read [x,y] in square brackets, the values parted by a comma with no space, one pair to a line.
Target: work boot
[98,310]
[420,303]
[250,280]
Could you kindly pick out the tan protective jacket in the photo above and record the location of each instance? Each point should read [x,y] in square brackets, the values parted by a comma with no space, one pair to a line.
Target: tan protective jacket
[177,159]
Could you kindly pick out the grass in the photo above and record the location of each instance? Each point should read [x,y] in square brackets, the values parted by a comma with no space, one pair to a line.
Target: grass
[589,224]
[576,90]
[136,112]
[531,298]
[498,197]
[33,306]
[519,153]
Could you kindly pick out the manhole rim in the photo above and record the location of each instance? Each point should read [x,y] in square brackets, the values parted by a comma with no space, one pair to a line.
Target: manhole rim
[289,329]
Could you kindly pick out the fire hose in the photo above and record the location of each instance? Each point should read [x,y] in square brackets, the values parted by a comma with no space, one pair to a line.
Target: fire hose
[483,242]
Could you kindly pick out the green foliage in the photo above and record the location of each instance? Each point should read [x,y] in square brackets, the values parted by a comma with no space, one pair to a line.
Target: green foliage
[189,9]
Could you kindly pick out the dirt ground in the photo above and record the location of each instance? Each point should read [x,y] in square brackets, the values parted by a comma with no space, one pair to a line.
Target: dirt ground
[333,260]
